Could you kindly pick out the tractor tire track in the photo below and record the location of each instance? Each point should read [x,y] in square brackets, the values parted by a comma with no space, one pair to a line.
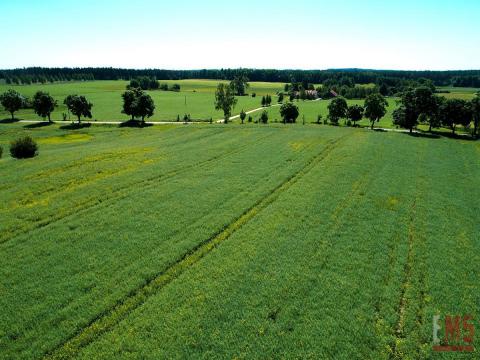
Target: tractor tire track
[414,274]
[112,316]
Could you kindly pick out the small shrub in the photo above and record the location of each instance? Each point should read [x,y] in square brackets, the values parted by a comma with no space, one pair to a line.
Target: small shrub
[254,95]
[1,152]
[250,119]
[23,148]
[264,117]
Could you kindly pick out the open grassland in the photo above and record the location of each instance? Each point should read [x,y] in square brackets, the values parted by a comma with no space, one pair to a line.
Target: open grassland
[196,98]
[235,241]
[458,92]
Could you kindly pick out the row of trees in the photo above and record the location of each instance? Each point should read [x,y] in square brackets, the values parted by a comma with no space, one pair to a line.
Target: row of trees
[416,106]
[375,108]
[136,103]
[469,78]
[44,104]
[422,106]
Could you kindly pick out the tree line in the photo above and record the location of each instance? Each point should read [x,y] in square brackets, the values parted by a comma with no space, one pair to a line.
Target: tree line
[416,106]
[136,103]
[463,78]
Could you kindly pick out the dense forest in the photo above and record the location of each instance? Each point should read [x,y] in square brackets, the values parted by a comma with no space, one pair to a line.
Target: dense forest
[466,78]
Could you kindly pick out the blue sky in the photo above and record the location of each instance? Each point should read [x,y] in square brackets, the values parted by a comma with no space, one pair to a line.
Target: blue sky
[187,34]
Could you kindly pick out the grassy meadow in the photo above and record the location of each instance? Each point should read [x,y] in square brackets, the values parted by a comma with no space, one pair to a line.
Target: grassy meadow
[196,98]
[230,241]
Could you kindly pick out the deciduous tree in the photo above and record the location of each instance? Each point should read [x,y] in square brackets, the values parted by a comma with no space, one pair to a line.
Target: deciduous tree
[79,106]
[243,115]
[355,113]
[137,104]
[44,104]
[337,109]
[225,100]
[375,107]
[12,101]
[240,84]
[456,112]
[289,112]
[475,107]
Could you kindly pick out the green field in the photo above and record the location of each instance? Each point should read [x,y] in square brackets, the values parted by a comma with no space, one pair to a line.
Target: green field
[106,98]
[216,241]
[458,92]
[198,96]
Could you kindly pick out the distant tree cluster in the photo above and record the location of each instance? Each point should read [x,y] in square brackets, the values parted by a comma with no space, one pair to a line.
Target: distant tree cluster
[144,83]
[174,87]
[422,106]
[16,77]
[375,108]
[416,106]
[389,80]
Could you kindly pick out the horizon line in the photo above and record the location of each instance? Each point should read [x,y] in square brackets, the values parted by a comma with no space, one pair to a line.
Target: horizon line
[233,68]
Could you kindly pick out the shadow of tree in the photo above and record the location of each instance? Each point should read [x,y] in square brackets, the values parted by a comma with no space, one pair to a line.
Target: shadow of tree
[38,125]
[8,121]
[134,124]
[75,126]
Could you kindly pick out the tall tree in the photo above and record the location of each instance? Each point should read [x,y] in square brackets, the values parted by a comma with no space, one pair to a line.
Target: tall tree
[406,116]
[375,107]
[475,107]
[79,106]
[129,98]
[456,112]
[337,109]
[225,100]
[44,104]
[12,101]
[268,100]
[289,112]
[144,106]
[355,113]
[426,105]
[240,84]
